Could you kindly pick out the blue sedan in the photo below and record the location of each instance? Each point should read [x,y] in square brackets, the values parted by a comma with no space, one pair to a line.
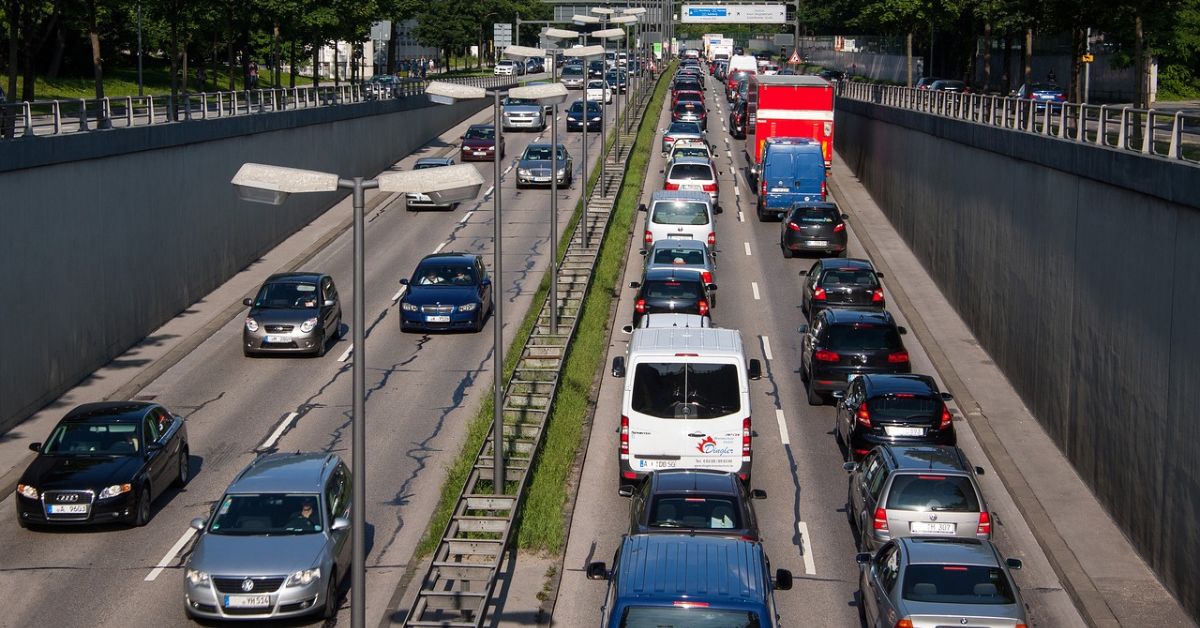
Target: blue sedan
[447,291]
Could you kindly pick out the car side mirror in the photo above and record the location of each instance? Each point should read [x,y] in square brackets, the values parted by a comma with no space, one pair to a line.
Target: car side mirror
[947,396]
[625,491]
[330,303]
[862,558]
[597,571]
[781,216]
[36,447]
[711,287]
[340,523]
[845,216]
[404,282]
[641,207]
[1013,563]
[783,580]
[879,275]
[713,148]
[758,493]
[627,329]
[618,367]
[804,273]
[839,394]
[197,524]
[487,281]
[979,471]
[248,302]
[803,329]
[754,371]
[902,331]
[635,284]
[643,252]
[849,466]
[152,447]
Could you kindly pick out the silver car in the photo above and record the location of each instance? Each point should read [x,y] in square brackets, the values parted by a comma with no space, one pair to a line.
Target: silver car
[928,583]
[292,313]
[276,544]
[534,167]
[680,131]
[522,114]
[416,199]
[676,254]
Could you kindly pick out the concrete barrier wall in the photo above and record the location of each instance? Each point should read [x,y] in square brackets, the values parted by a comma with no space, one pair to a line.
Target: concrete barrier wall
[107,235]
[1078,269]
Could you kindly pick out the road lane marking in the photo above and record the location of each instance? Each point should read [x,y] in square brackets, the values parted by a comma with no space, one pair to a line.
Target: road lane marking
[399,293]
[810,566]
[736,190]
[767,348]
[346,354]
[170,556]
[754,289]
[783,433]
[741,217]
[729,155]
[747,248]
[463,220]
[727,140]
[270,442]
[489,191]
[440,247]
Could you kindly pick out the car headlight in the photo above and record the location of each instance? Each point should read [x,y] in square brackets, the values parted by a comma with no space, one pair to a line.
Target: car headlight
[195,577]
[114,490]
[469,307]
[562,172]
[304,577]
[408,307]
[596,119]
[308,325]
[26,490]
[524,172]
[251,324]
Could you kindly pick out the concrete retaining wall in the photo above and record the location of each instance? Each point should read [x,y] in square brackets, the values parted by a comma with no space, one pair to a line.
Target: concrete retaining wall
[1077,268]
[107,235]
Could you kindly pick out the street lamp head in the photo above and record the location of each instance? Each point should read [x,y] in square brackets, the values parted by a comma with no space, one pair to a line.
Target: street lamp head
[623,19]
[561,33]
[544,94]
[610,33]
[633,10]
[523,52]
[602,11]
[261,183]
[444,93]
[444,185]
[585,19]
[585,51]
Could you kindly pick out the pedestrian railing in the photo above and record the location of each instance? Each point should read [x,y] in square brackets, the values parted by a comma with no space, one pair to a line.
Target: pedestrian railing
[46,118]
[1172,135]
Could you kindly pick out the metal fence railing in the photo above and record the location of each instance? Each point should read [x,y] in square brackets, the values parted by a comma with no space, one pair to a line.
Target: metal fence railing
[1173,135]
[46,118]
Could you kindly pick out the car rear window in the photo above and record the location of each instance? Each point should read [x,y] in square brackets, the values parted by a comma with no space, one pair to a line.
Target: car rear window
[684,127]
[904,406]
[679,213]
[688,107]
[932,492]
[701,512]
[694,257]
[956,584]
[691,171]
[685,390]
[815,215]
[690,151]
[861,337]
[849,277]
[673,289]
[695,617]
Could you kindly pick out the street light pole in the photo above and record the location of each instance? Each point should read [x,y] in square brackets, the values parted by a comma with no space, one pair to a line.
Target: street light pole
[358,578]
[554,202]
[497,314]
[139,52]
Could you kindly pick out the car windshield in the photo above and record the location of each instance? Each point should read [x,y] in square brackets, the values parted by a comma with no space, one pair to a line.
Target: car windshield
[522,102]
[93,439]
[287,295]
[481,133]
[686,390]
[595,84]
[695,511]
[542,153]
[1044,87]
[849,278]
[684,127]
[816,215]
[577,107]
[679,213]
[572,70]
[956,584]
[952,84]
[679,617]
[441,274]
[692,257]
[702,172]
[257,514]
[932,492]
[861,337]
[421,165]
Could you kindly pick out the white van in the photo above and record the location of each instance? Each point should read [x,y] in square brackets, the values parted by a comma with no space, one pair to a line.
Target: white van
[686,402]
[743,62]
[679,214]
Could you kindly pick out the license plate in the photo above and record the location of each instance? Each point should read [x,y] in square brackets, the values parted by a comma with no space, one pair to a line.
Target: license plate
[657,464]
[480,153]
[680,236]
[274,339]
[437,319]
[247,601]
[779,189]
[67,509]
[905,431]
[816,243]
[691,188]
[927,527]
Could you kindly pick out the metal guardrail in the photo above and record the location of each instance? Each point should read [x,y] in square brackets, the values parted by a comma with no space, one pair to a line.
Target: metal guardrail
[48,118]
[1171,135]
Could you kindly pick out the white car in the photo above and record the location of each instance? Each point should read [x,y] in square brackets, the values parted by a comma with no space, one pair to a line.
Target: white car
[505,67]
[598,90]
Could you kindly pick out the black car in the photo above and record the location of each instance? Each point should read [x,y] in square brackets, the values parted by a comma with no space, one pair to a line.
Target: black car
[878,409]
[671,291]
[104,463]
[832,75]
[841,343]
[575,116]
[447,291]
[687,83]
[693,501]
[813,227]
[596,69]
[845,283]
[737,121]
[292,313]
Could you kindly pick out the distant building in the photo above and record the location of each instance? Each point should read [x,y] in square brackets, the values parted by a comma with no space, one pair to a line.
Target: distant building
[407,46]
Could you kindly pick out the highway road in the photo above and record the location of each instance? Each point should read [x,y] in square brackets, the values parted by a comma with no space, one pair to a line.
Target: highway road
[422,390]
[796,460]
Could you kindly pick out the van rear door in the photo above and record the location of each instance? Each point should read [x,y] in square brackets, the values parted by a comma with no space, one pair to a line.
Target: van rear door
[686,415]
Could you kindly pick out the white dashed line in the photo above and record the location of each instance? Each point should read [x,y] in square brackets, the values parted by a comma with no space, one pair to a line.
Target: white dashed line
[396,297]
[270,442]
[726,140]
[767,348]
[440,247]
[729,155]
[346,354]
[507,170]
[747,248]
[754,289]
[170,556]
[741,216]
[489,191]
[464,219]
[783,433]
[810,566]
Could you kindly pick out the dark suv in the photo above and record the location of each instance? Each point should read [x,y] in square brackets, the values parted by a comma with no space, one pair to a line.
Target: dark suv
[693,501]
[841,343]
[881,409]
[672,291]
[848,283]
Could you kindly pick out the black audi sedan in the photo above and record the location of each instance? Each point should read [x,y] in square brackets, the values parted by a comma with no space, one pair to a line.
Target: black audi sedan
[104,463]
[693,501]
[842,343]
[878,409]
[813,227]
[848,283]
[292,313]
[669,290]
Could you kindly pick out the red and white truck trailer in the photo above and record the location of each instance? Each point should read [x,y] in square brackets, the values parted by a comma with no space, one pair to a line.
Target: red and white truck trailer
[789,106]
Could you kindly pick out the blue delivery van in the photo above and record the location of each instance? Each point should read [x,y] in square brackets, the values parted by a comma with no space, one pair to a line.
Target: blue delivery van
[793,171]
[684,580]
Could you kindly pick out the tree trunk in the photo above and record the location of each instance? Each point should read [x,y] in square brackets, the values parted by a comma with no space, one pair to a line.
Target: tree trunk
[1078,45]
[908,56]
[229,53]
[337,75]
[60,46]
[1027,75]
[1006,76]
[29,57]
[316,72]
[184,85]
[275,54]
[172,112]
[94,38]
[393,35]
[1139,63]
[987,55]
[15,9]
[292,64]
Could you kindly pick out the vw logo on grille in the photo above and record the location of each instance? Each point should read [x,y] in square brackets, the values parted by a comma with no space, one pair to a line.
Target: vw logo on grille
[70,497]
[247,585]
[932,517]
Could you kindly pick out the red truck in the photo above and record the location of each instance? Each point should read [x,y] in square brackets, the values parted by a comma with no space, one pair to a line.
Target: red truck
[789,106]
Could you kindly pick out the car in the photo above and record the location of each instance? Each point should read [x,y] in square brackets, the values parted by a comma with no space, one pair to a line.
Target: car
[787,72]
[447,291]
[719,69]
[686,111]
[792,170]
[380,86]
[693,501]
[939,582]
[479,143]
[104,462]
[832,76]
[297,312]
[618,80]
[416,199]
[692,255]
[517,113]
[844,283]
[694,173]
[534,166]
[666,320]
[681,215]
[1042,94]
[879,408]
[686,84]
[925,81]
[671,290]
[690,148]
[533,65]
[738,119]
[596,69]
[599,91]
[953,87]
[680,131]
[899,491]
[505,67]
[575,114]
[572,76]
[731,83]
[814,226]
[842,343]
[277,542]
[687,96]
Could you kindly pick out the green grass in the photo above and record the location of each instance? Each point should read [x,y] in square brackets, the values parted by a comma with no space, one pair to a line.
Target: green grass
[122,81]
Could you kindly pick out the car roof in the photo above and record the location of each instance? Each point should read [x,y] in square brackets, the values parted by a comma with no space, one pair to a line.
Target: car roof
[666,273]
[806,80]
[676,243]
[891,383]
[958,551]
[723,571]
[846,316]
[926,458]
[293,277]
[283,473]
[666,196]
[108,412]
[846,263]
[449,257]
[694,481]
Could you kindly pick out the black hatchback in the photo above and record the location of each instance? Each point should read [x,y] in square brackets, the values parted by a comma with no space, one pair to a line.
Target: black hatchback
[850,283]
[693,501]
[813,227]
[671,291]
[842,343]
[880,409]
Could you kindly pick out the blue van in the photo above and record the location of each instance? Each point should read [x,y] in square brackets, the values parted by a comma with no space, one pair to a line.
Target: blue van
[793,171]
[684,580]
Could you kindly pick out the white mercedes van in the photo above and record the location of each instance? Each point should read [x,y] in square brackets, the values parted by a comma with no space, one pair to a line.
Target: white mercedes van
[685,403]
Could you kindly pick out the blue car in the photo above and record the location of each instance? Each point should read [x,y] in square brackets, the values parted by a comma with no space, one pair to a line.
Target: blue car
[1043,93]
[448,291]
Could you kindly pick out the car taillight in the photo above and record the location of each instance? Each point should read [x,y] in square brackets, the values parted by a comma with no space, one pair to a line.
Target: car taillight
[624,435]
[985,524]
[668,138]
[746,439]
[904,623]
[640,306]
[648,238]
[826,356]
[898,357]
[824,190]
[703,305]
[670,186]
[863,416]
[946,418]
[706,276]
[712,238]
[880,524]
[840,227]
[709,187]
[793,226]
[819,294]
[877,295]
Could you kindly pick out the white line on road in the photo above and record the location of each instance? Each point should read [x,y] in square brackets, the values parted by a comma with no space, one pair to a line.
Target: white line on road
[729,154]
[741,216]
[767,348]
[489,191]
[170,556]
[399,293]
[346,354]
[783,433]
[440,247]
[754,289]
[747,248]
[810,567]
[726,140]
[270,442]
[507,170]
[463,220]
[736,190]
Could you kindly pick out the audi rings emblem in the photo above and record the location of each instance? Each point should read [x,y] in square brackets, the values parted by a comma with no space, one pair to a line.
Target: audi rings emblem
[247,585]
[69,497]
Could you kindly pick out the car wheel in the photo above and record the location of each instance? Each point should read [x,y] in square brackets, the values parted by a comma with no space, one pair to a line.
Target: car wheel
[337,329]
[141,514]
[185,469]
[787,253]
[814,398]
[329,611]
[320,351]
